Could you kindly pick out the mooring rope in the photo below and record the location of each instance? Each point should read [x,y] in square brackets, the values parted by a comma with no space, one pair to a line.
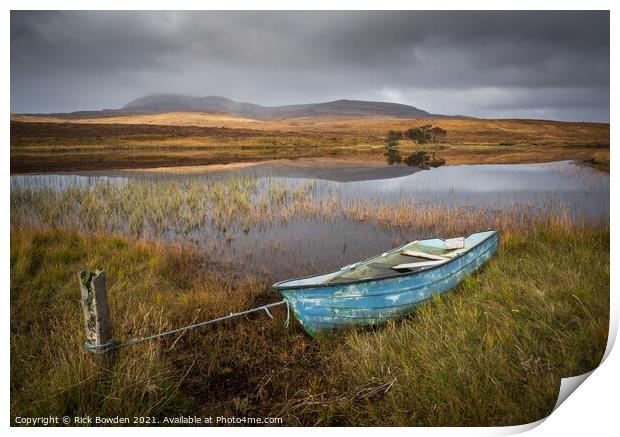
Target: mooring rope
[112,344]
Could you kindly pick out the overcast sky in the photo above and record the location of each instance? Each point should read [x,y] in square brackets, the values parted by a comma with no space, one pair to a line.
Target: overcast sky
[552,65]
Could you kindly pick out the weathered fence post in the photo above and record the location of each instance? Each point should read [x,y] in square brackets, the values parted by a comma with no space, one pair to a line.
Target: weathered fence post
[96,316]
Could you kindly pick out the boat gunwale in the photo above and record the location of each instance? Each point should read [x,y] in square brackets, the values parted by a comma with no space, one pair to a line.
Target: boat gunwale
[278,285]
[421,286]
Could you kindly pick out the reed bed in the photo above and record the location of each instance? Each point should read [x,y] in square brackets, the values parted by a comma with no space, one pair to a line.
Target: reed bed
[165,208]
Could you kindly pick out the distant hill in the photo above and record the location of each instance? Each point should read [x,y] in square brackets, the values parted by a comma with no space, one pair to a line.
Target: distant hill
[338,108]
[178,103]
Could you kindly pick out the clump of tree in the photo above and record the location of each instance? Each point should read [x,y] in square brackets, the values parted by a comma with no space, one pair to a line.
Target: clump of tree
[392,138]
[425,134]
[420,135]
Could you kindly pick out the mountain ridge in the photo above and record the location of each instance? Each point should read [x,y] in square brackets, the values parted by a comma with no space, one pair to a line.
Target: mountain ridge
[341,107]
[163,103]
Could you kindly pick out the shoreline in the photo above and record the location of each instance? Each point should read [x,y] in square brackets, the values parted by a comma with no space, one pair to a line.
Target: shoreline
[375,160]
[293,163]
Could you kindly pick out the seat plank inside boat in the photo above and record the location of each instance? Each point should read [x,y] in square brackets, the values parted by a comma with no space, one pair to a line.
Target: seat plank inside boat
[382,266]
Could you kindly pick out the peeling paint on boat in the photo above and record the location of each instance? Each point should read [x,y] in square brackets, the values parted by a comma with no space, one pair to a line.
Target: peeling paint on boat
[330,306]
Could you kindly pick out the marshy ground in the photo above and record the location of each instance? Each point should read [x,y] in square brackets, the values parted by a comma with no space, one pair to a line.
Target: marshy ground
[184,246]
[492,352]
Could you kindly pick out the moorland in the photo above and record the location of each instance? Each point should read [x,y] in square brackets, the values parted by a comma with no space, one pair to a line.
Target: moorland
[71,143]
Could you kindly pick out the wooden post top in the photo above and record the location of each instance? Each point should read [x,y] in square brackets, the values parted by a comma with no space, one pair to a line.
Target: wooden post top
[95,307]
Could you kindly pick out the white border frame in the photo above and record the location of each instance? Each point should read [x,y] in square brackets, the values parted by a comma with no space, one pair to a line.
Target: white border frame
[591,410]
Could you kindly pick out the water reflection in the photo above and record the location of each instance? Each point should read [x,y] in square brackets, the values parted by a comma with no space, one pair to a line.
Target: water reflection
[393,156]
[420,159]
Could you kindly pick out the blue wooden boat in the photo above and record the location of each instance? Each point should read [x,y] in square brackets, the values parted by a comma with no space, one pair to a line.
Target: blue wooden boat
[386,286]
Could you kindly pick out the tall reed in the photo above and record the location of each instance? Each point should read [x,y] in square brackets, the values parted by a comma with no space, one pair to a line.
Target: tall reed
[168,207]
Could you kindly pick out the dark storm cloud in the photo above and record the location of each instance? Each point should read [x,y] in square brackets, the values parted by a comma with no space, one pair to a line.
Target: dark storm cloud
[493,64]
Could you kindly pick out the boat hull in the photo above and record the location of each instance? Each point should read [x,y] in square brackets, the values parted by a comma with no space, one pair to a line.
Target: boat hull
[327,307]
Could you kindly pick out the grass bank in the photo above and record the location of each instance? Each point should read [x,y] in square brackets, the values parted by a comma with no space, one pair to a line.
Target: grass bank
[491,352]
